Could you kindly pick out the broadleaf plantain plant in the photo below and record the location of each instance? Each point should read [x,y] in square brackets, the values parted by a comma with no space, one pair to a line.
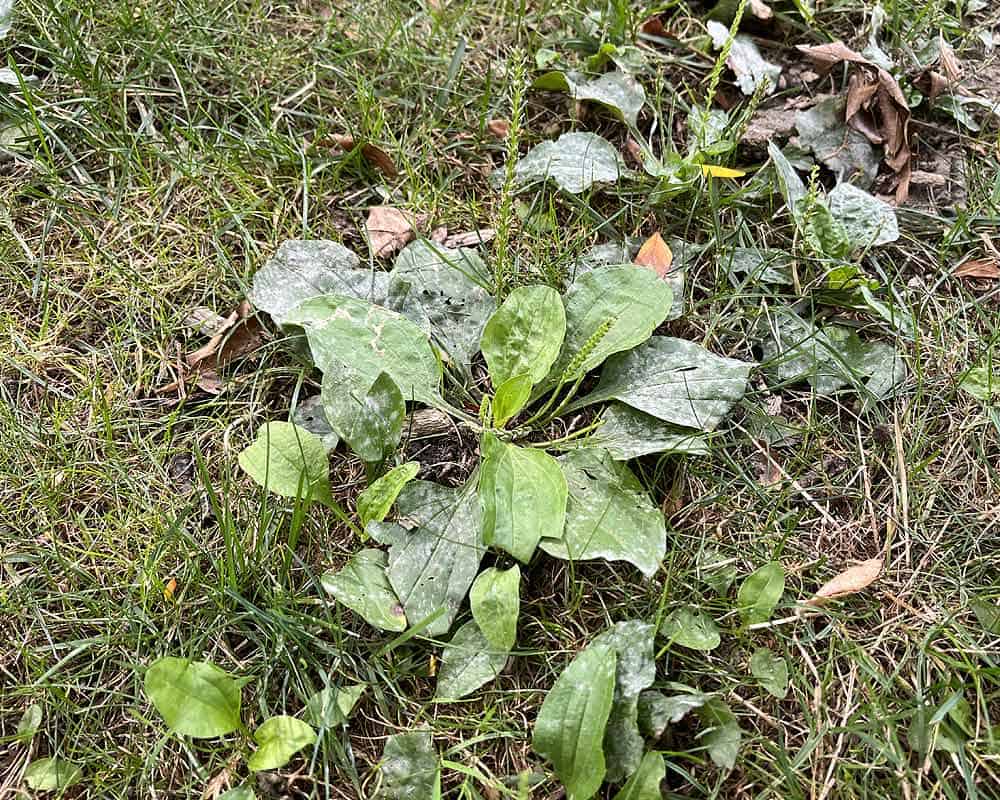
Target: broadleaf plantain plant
[544,480]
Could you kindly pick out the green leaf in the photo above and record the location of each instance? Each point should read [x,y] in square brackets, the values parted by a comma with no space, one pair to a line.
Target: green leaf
[302,269]
[469,660]
[569,730]
[495,598]
[627,433]
[195,698]
[761,265]
[238,793]
[771,671]
[629,301]
[441,290]
[635,671]
[30,722]
[821,232]
[279,738]
[350,335]
[362,586]
[674,380]
[524,335]
[657,711]
[330,707]
[608,514]
[987,613]
[744,59]
[760,593]
[846,152]
[511,396]
[980,383]
[691,628]
[409,767]
[645,781]
[52,774]
[434,566]
[575,161]
[375,501]
[369,419]
[789,183]
[309,414]
[523,495]
[722,738]
[289,461]
[617,91]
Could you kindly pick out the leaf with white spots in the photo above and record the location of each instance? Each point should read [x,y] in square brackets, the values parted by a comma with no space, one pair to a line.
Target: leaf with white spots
[867,221]
[575,161]
[369,419]
[468,662]
[363,587]
[627,433]
[745,60]
[410,768]
[309,414]
[845,151]
[616,90]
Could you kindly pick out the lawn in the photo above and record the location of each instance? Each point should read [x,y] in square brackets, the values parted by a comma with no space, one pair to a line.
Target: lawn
[743,296]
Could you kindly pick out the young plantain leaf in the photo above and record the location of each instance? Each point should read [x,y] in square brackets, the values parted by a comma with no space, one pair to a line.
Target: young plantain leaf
[289,461]
[760,593]
[432,568]
[195,698]
[523,495]
[330,707]
[369,419]
[771,671]
[495,598]
[608,514]
[52,774]
[524,335]
[375,501]
[279,738]
[674,380]
[645,781]
[346,334]
[469,660]
[722,738]
[511,396]
[691,628]
[569,730]
[409,767]
[363,587]
[617,91]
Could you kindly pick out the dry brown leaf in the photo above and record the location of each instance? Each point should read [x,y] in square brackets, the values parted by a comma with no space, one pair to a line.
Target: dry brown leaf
[850,581]
[634,151]
[390,229]
[978,268]
[886,101]
[239,334]
[653,27]
[376,155]
[655,254]
[470,238]
[498,127]
[932,84]
[949,61]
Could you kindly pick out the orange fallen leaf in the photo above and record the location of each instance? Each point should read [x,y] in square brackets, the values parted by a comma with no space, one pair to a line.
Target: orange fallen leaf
[653,27]
[978,268]
[169,589]
[376,155]
[655,254]
[850,581]
[390,229]
[715,171]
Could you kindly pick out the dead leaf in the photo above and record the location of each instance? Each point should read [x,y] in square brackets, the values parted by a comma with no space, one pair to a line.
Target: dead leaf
[204,320]
[634,151]
[655,254]
[767,124]
[760,9]
[978,268]
[239,334]
[850,581]
[376,155]
[498,127]
[470,238]
[390,229]
[653,27]
[949,61]
[440,234]
[878,93]
[932,84]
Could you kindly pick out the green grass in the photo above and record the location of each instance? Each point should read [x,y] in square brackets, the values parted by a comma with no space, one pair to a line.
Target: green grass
[171,149]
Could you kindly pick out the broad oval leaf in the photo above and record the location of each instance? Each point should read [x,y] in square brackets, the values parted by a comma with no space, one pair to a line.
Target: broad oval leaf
[723,735]
[409,767]
[627,433]
[771,671]
[362,586]
[575,161]
[302,269]
[524,335]
[238,793]
[608,514]
[279,738]
[674,380]
[309,414]
[691,628]
[626,302]
[645,781]
[52,774]
[29,723]
[760,593]
[569,730]
[657,711]
[523,495]
[369,419]
[441,290]
[195,698]
[617,91]
[289,461]
[495,598]
[511,396]
[375,501]
[347,334]
[432,568]
[469,660]
[331,707]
